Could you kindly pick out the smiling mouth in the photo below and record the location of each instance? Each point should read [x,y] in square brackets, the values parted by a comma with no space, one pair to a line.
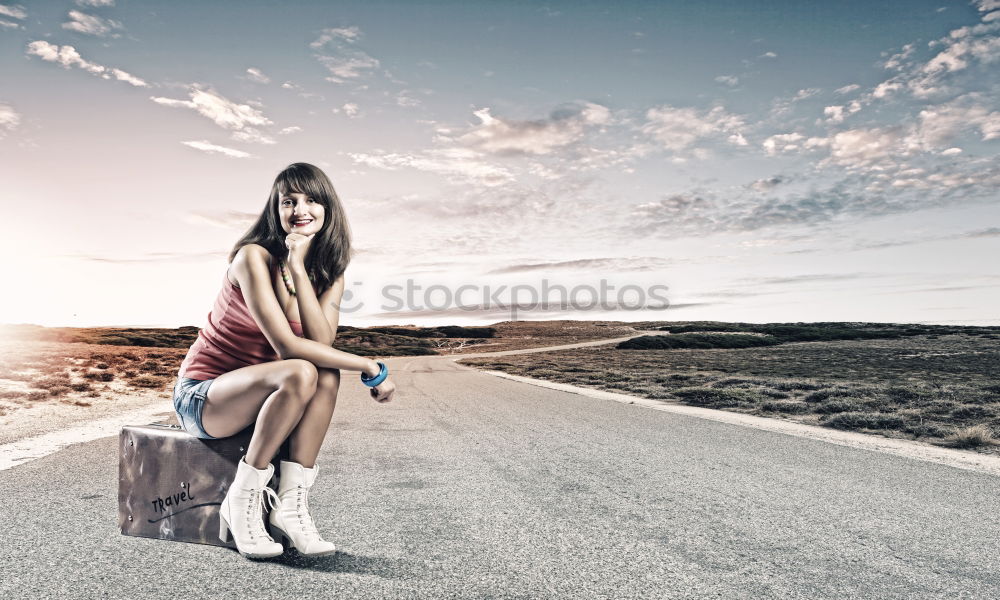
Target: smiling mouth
[300,223]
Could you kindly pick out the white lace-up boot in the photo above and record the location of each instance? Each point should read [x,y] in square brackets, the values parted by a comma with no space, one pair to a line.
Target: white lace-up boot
[241,512]
[291,518]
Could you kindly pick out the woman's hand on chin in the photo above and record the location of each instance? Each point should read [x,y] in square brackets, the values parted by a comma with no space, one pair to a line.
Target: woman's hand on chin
[297,245]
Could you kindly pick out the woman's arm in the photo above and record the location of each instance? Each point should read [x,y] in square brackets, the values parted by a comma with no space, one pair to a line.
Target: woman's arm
[314,323]
[252,271]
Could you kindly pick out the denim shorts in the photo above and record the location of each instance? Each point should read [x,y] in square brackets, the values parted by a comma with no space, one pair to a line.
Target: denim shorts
[189,401]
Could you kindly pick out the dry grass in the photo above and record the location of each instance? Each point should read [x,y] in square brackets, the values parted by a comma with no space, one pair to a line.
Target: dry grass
[977,436]
[75,374]
[932,383]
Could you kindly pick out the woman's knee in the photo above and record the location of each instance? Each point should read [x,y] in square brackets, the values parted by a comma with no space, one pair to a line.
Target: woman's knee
[301,375]
[328,382]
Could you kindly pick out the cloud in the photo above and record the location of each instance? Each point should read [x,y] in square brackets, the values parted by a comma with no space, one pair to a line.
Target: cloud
[763,185]
[880,244]
[288,85]
[896,62]
[858,193]
[14,12]
[500,310]
[91,25]
[209,147]
[940,125]
[863,148]
[811,278]
[226,219]
[935,130]
[9,119]
[457,164]
[347,62]
[980,233]
[349,66]
[404,99]
[95,3]
[67,56]
[128,78]
[781,106]
[242,119]
[617,265]
[147,257]
[836,114]
[847,89]
[563,127]
[254,74]
[350,109]
[288,130]
[791,142]
[730,80]
[768,55]
[345,34]
[682,129]
[957,52]
[253,136]
[10,25]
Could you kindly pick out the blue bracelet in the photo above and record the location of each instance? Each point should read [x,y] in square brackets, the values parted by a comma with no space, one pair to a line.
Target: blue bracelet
[374,381]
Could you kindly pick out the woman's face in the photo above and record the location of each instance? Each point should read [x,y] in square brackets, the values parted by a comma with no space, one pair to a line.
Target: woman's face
[300,213]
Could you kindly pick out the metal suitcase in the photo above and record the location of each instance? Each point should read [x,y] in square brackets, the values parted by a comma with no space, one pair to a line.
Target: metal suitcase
[171,484]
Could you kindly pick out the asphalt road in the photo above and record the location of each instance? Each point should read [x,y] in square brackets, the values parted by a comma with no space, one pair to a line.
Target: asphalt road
[472,486]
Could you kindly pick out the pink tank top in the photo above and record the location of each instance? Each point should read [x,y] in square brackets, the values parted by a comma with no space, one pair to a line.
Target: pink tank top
[230,340]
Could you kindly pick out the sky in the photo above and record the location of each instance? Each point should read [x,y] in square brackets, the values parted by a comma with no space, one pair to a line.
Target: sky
[726,161]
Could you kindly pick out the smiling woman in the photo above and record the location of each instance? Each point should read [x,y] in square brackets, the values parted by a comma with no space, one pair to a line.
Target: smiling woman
[265,359]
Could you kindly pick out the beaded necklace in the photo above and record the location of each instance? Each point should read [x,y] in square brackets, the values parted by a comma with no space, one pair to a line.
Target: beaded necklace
[288,280]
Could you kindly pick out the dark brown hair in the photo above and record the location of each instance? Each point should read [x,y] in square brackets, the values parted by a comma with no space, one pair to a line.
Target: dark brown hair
[330,249]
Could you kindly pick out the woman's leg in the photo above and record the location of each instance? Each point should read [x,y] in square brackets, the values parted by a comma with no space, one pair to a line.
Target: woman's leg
[274,394]
[307,437]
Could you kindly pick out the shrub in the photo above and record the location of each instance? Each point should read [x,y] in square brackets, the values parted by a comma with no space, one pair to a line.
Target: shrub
[51,382]
[972,412]
[838,405]
[861,420]
[737,382]
[971,437]
[101,365]
[149,381]
[925,430]
[717,398]
[903,395]
[80,387]
[696,340]
[793,407]
[455,331]
[789,386]
[106,376]
[114,340]
[820,395]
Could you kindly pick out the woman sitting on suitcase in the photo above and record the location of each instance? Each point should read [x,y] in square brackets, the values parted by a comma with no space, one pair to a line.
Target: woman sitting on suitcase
[265,358]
